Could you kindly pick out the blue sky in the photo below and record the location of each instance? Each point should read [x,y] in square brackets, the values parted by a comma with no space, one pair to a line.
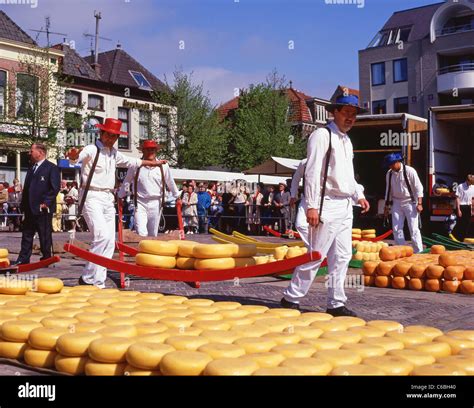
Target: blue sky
[227,43]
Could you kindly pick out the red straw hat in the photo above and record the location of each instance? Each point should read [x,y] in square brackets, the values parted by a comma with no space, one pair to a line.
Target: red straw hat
[112,126]
[150,144]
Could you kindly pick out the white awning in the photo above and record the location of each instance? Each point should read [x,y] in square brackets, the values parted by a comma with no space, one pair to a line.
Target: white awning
[275,166]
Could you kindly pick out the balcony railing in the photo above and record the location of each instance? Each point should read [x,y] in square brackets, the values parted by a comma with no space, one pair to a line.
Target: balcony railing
[456,68]
[456,29]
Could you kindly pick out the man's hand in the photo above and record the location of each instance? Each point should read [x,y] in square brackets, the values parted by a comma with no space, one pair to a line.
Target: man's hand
[364,204]
[312,216]
[459,214]
[292,202]
[153,163]
[419,208]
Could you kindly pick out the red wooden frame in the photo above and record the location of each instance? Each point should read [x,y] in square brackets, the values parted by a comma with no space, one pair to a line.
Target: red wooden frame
[32,266]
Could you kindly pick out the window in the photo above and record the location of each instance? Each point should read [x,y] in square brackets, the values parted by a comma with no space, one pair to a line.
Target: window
[400,105]
[3,91]
[96,102]
[163,131]
[141,81]
[73,98]
[144,121]
[403,34]
[379,107]
[26,92]
[400,70]
[124,140]
[378,74]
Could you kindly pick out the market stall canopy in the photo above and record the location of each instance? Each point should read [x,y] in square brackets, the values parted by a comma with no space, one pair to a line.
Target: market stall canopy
[275,166]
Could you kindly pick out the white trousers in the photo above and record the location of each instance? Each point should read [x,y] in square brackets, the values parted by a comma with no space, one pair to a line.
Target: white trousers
[147,217]
[99,213]
[402,210]
[332,239]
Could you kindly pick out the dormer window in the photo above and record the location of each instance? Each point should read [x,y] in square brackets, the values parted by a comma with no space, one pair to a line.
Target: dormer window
[141,81]
[390,37]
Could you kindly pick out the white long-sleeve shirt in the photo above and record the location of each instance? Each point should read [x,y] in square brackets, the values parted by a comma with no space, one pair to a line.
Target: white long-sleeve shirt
[465,193]
[109,159]
[150,185]
[297,176]
[399,189]
[340,182]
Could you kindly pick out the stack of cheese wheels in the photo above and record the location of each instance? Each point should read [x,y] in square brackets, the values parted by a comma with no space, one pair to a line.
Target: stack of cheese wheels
[224,256]
[356,234]
[159,254]
[440,270]
[369,233]
[4,261]
[84,330]
[367,251]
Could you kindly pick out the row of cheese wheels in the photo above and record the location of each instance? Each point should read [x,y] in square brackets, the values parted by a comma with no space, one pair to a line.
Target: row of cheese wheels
[117,333]
[4,261]
[19,285]
[358,234]
[367,251]
[192,255]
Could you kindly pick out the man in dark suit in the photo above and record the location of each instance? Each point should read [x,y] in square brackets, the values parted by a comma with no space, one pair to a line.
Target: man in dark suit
[38,203]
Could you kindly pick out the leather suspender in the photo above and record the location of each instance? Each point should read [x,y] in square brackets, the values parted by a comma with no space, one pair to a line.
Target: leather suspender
[135,187]
[389,191]
[326,171]
[408,183]
[88,182]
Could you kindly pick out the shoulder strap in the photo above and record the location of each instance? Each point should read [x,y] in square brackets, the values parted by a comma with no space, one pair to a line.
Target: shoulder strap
[389,189]
[326,170]
[408,182]
[163,186]
[88,182]
[135,186]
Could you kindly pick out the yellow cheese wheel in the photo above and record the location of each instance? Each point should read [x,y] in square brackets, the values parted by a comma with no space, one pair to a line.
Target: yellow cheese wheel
[234,313]
[250,330]
[386,325]
[260,260]
[467,352]
[456,344]
[65,322]
[431,332]
[342,336]
[70,365]
[277,371]
[369,231]
[147,356]
[118,331]
[413,356]
[293,252]
[283,312]
[87,327]
[279,253]
[185,263]
[15,311]
[330,325]
[150,328]
[239,321]
[185,249]
[315,317]
[436,348]
[307,365]
[256,344]
[323,344]
[157,338]
[157,261]
[163,248]
[176,322]
[222,350]
[338,357]
[391,365]
[245,251]
[213,264]
[135,371]
[357,369]
[45,338]
[283,338]
[349,321]
[386,342]
[12,350]
[189,343]
[220,336]
[3,253]
[364,350]
[409,339]
[90,317]
[184,363]
[231,366]
[40,358]
[13,287]
[184,331]
[437,369]
[211,325]
[66,312]
[463,362]
[266,359]
[48,285]
[227,305]
[35,317]
[32,294]
[367,331]
[254,309]
[119,321]
[244,262]
[294,350]
[211,251]
[462,334]
[109,349]
[75,344]
[206,316]
[18,330]
[94,368]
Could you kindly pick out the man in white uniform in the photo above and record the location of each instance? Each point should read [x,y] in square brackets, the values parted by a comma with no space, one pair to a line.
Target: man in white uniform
[301,224]
[404,192]
[464,201]
[328,206]
[148,191]
[99,209]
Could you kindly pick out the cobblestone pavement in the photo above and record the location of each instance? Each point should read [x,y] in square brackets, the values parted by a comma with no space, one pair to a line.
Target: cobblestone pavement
[442,310]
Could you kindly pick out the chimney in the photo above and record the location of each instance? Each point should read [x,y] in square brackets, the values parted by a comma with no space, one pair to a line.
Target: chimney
[96,66]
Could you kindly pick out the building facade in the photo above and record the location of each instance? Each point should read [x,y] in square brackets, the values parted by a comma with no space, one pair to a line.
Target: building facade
[422,57]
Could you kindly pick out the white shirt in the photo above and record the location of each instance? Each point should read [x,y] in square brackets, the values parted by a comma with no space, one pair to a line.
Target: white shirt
[150,185]
[340,182]
[359,192]
[297,176]
[38,164]
[109,159]
[465,193]
[399,189]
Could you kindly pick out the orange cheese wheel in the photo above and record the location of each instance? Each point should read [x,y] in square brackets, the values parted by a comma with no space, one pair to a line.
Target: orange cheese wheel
[467,287]
[45,338]
[400,282]
[469,273]
[40,358]
[433,285]
[185,263]
[434,271]
[369,268]
[416,284]
[417,271]
[387,254]
[384,269]
[93,368]
[109,349]
[401,268]
[12,350]
[447,259]
[70,365]
[75,344]
[18,330]
[454,273]
[437,249]
[451,286]
[369,280]
[147,356]
[383,281]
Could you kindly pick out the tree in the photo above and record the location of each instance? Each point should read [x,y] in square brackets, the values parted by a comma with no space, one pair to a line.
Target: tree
[199,139]
[261,128]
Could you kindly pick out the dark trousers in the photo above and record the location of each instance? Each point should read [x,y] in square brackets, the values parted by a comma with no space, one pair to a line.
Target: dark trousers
[36,223]
[461,230]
